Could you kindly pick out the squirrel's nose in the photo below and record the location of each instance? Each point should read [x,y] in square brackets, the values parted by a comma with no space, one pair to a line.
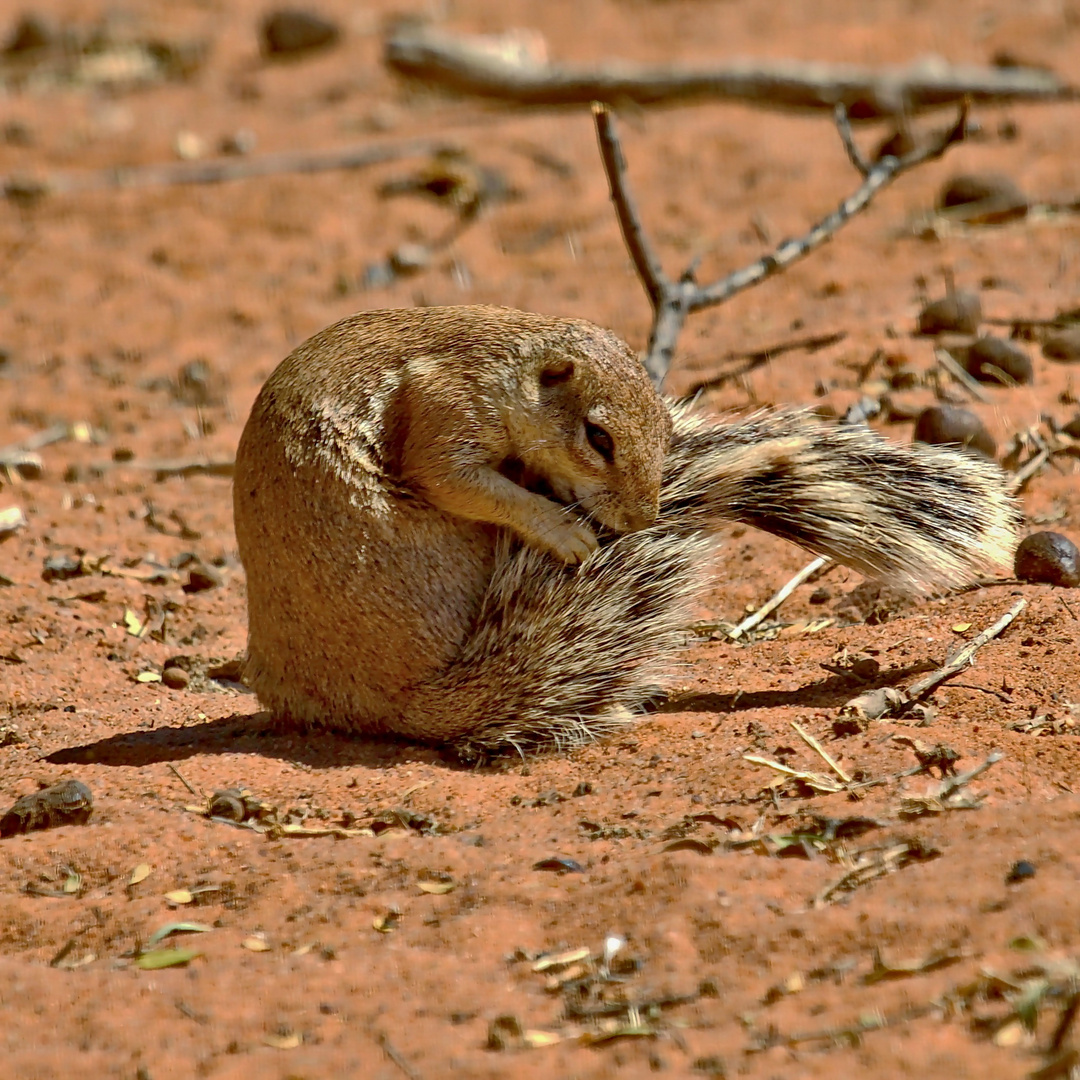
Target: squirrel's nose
[641,517]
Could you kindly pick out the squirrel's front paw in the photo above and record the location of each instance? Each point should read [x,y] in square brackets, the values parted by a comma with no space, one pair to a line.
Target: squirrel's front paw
[569,540]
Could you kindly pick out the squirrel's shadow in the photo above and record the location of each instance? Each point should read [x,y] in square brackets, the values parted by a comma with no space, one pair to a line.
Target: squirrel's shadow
[828,693]
[250,733]
[254,733]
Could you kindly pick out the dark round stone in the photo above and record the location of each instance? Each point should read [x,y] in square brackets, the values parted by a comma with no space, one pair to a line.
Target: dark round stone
[990,355]
[1021,870]
[948,425]
[1049,559]
[291,32]
[958,313]
[1064,346]
[175,678]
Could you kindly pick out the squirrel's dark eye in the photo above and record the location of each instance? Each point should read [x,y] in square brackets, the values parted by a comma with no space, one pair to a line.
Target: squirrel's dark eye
[600,440]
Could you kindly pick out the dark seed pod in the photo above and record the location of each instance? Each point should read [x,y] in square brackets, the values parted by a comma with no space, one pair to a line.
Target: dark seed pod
[958,313]
[947,425]
[1064,346]
[990,356]
[69,803]
[1049,559]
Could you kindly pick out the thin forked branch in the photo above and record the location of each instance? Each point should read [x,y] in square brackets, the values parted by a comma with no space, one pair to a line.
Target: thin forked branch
[673,301]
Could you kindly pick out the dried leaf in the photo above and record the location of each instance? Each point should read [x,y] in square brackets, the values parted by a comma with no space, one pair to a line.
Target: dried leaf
[289,1041]
[561,959]
[541,1038]
[133,623]
[73,882]
[436,888]
[177,928]
[689,843]
[140,873]
[255,943]
[179,896]
[1011,1034]
[148,676]
[960,627]
[386,923]
[1027,943]
[164,958]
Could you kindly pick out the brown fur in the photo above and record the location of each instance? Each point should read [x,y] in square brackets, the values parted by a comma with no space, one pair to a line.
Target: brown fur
[434,547]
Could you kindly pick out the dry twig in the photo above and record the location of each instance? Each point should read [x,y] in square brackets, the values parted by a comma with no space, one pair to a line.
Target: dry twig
[467,64]
[963,657]
[820,751]
[1023,475]
[218,170]
[970,384]
[778,598]
[672,301]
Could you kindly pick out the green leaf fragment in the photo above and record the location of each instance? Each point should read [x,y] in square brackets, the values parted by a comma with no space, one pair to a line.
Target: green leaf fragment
[178,928]
[165,958]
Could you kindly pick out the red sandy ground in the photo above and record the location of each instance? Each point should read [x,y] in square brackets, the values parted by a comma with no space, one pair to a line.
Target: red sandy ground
[104,297]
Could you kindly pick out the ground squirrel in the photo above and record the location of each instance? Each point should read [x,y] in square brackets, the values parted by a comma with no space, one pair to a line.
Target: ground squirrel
[479,526]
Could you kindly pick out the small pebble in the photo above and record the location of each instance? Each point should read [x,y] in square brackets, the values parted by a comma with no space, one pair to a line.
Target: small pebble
[986,198]
[950,425]
[959,313]
[1064,346]
[291,32]
[202,577]
[175,678]
[31,32]
[12,519]
[410,258]
[990,353]
[1020,871]
[820,595]
[61,568]
[189,146]
[1049,559]
[239,143]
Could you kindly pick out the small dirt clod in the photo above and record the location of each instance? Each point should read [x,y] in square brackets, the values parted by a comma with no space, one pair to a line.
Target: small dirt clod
[1049,559]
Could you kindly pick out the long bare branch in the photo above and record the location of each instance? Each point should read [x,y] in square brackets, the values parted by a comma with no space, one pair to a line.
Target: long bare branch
[468,64]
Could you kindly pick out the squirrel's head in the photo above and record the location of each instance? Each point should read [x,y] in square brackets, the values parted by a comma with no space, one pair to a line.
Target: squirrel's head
[597,431]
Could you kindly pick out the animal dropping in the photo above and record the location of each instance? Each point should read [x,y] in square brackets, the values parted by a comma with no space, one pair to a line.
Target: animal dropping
[484,527]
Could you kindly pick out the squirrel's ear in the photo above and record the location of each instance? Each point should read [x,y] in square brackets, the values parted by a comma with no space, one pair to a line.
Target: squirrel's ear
[556,372]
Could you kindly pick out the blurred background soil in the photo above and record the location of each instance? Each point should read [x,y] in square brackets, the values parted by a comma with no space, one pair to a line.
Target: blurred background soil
[137,322]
